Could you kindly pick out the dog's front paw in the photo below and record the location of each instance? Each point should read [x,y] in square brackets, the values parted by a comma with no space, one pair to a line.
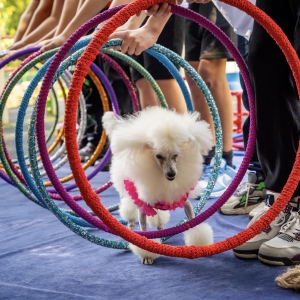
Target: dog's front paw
[146,257]
[147,261]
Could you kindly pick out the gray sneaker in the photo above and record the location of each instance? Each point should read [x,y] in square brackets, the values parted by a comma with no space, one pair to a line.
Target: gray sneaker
[247,196]
[86,152]
[284,249]
[251,248]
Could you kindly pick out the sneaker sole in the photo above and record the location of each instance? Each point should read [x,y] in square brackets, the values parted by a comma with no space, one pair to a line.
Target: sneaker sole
[277,261]
[250,254]
[238,211]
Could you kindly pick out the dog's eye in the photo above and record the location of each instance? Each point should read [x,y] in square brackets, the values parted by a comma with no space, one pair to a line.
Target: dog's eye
[175,156]
[158,156]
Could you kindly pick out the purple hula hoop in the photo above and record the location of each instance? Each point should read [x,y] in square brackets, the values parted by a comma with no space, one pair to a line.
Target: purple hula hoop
[105,159]
[135,102]
[236,55]
[34,52]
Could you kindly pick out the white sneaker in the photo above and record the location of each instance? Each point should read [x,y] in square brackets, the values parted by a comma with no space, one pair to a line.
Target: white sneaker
[284,249]
[256,210]
[251,248]
[226,175]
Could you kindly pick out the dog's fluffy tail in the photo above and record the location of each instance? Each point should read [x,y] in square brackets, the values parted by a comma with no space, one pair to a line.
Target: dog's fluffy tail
[200,235]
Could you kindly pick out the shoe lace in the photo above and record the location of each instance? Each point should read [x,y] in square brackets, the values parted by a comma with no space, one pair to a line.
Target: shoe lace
[292,226]
[243,189]
[280,220]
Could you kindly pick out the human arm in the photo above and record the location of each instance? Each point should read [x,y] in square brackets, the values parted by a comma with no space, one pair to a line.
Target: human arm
[49,24]
[25,20]
[178,2]
[42,12]
[88,10]
[136,40]
[68,13]
[48,37]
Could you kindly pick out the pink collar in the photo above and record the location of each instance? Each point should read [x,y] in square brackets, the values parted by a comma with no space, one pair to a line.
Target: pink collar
[147,208]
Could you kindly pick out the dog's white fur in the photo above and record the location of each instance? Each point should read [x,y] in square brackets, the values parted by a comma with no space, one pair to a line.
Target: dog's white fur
[145,256]
[137,145]
[202,234]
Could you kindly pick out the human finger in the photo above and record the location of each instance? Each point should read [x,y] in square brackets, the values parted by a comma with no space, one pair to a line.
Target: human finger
[159,10]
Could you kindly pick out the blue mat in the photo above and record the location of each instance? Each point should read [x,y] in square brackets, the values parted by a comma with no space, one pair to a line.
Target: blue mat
[41,259]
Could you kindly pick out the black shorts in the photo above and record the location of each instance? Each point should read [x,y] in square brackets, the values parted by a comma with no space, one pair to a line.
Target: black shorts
[201,43]
[172,38]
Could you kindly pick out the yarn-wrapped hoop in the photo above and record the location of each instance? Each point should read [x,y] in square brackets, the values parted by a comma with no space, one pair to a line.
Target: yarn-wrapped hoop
[9,58]
[162,53]
[60,54]
[145,233]
[67,199]
[93,202]
[48,201]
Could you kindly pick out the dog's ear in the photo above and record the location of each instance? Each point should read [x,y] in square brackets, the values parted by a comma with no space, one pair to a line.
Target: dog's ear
[200,134]
[110,122]
[127,137]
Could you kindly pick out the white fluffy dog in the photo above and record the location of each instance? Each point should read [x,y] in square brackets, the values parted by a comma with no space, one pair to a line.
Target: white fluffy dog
[160,152]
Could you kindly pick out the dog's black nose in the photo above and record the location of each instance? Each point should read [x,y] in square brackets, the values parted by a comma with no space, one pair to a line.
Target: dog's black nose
[171,175]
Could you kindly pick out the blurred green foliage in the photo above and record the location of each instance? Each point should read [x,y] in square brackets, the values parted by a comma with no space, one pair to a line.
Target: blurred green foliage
[10,13]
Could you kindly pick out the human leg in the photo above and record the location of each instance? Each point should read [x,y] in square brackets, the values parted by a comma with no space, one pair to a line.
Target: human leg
[173,94]
[171,38]
[42,12]
[198,99]
[147,95]
[202,45]
[213,72]
[276,99]
[251,194]
[276,103]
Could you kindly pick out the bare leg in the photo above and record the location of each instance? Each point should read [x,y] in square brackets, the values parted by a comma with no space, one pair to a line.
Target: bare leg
[68,13]
[199,100]
[173,94]
[188,209]
[213,73]
[147,95]
[170,89]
